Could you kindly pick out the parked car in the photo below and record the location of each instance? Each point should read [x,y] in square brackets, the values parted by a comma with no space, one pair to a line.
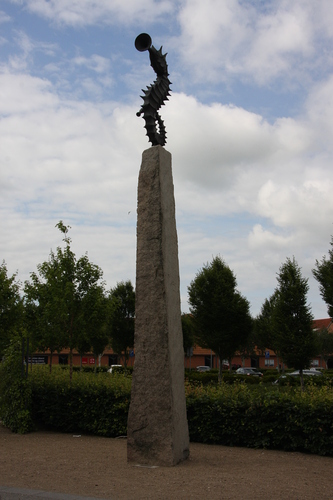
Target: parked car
[249,371]
[203,368]
[308,373]
[115,368]
[226,366]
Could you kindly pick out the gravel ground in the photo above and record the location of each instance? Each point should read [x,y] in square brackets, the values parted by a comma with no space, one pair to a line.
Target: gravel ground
[97,467]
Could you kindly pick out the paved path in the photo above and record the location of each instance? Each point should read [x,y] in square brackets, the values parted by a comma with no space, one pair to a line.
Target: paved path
[24,494]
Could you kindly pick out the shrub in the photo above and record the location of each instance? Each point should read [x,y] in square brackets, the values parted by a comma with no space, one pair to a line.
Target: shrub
[202,377]
[92,403]
[15,391]
[237,416]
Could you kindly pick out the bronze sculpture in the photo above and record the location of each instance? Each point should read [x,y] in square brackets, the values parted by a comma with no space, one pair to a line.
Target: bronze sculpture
[156,94]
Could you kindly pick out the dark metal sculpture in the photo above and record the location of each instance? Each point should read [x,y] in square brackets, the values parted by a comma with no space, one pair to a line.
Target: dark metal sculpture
[157,93]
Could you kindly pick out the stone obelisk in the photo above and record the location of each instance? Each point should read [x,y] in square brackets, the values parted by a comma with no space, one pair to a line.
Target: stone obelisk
[157,424]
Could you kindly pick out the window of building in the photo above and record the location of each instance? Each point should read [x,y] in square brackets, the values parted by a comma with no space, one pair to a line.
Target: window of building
[113,359]
[269,362]
[63,359]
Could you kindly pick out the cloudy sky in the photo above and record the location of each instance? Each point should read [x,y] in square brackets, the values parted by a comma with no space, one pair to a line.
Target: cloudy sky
[249,127]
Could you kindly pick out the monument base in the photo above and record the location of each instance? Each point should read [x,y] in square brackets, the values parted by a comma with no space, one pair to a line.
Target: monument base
[157,431]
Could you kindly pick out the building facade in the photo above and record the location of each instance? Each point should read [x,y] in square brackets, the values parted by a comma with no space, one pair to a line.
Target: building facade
[196,356]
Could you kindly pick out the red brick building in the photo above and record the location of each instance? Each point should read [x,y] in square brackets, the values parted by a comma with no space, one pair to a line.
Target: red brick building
[197,357]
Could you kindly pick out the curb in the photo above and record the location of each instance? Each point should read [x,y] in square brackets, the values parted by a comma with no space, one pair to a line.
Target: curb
[7,493]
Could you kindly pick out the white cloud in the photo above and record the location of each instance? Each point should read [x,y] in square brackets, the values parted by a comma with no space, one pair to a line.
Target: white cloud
[250,190]
[89,12]
[226,39]
[95,62]
[4,18]
[319,107]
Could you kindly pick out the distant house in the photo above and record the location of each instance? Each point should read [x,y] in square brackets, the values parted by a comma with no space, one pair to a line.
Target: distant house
[197,356]
[258,359]
[319,324]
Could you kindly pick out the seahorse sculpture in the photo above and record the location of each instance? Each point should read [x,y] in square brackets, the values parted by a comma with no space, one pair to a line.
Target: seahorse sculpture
[156,94]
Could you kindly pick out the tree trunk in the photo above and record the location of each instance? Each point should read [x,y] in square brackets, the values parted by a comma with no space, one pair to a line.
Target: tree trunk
[70,365]
[220,369]
[302,379]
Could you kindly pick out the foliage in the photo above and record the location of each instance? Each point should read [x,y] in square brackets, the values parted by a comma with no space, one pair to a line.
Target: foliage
[233,415]
[15,391]
[323,273]
[121,321]
[292,318]
[204,378]
[239,416]
[10,308]
[220,313]
[188,332]
[264,330]
[325,343]
[93,403]
[66,303]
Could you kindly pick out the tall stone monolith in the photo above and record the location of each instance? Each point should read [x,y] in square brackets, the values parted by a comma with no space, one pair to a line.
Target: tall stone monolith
[157,431]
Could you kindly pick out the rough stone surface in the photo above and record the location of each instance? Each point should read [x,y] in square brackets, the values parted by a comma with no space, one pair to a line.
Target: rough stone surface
[157,425]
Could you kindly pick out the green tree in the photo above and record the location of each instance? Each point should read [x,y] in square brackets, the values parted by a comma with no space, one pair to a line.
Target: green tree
[188,332]
[248,348]
[220,313]
[323,273]
[264,331]
[325,344]
[59,295]
[292,318]
[11,308]
[121,319]
[94,334]
[93,307]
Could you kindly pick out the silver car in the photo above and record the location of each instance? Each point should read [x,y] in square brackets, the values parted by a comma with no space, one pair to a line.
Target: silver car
[249,371]
[203,368]
[310,373]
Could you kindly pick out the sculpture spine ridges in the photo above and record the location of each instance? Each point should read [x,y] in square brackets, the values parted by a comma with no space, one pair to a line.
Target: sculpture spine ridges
[155,96]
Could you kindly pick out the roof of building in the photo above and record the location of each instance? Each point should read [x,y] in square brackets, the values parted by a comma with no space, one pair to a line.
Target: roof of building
[318,324]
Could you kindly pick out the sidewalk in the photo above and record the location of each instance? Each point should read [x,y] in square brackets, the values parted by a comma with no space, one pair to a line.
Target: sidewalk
[24,494]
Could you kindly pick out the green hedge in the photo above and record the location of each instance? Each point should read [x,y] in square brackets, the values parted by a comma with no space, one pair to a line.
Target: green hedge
[92,403]
[15,391]
[235,414]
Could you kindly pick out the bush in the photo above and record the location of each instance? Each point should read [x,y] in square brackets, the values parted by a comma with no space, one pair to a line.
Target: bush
[202,377]
[15,391]
[237,416]
[211,377]
[92,403]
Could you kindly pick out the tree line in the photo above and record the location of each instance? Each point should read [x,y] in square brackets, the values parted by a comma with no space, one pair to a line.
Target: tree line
[220,316]
[65,304]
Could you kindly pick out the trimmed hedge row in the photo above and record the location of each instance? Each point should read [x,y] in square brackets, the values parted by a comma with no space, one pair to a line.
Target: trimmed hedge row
[93,403]
[232,415]
[211,377]
[15,391]
[238,416]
